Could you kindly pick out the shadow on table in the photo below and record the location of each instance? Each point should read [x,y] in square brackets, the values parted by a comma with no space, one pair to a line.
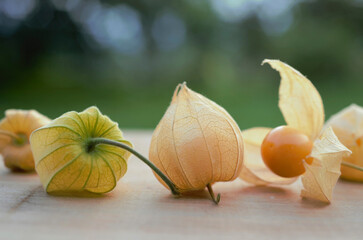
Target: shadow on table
[17,173]
[233,194]
[271,192]
[313,204]
[84,194]
[349,182]
[274,192]
[120,190]
[200,196]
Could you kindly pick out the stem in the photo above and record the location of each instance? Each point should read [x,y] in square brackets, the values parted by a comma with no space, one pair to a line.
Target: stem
[347,164]
[94,141]
[210,190]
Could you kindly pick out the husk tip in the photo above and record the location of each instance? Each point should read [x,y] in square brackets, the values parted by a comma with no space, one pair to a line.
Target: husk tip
[266,60]
[178,89]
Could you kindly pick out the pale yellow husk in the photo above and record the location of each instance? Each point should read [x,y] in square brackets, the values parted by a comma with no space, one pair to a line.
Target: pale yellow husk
[321,176]
[196,142]
[61,159]
[302,108]
[23,122]
[299,101]
[348,126]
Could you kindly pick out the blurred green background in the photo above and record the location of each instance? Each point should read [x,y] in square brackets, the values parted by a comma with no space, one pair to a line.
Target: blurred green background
[126,57]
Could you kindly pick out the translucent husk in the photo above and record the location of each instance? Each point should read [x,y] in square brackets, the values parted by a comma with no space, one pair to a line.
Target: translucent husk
[348,126]
[15,130]
[196,143]
[64,161]
[302,108]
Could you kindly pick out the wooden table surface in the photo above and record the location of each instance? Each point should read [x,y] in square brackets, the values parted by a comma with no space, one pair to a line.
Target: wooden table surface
[140,207]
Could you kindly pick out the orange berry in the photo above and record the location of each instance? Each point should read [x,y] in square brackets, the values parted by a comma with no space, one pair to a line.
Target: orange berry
[284,149]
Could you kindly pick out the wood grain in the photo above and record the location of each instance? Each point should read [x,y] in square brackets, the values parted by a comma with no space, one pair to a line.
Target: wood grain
[141,208]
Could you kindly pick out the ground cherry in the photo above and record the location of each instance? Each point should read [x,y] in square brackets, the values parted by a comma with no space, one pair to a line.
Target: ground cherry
[284,149]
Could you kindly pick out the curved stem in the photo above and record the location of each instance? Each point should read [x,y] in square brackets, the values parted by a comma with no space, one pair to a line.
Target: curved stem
[347,164]
[210,190]
[94,141]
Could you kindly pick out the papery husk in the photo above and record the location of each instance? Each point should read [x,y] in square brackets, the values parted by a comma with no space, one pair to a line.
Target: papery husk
[302,108]
[61,157]
[321,176]
[19,156]
[299,101]
[196,143]
[348,127]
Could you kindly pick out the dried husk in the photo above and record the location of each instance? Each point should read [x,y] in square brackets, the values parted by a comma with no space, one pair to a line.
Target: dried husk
[196,143]
[348,126]
[62,161]
[302,108]
[321,176]
[299,101]
[21,123]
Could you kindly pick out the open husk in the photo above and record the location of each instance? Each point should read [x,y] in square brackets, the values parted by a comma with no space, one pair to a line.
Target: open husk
[321,176]
[302,108]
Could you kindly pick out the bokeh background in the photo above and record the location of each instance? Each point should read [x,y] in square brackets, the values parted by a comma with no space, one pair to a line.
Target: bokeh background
[126,57]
